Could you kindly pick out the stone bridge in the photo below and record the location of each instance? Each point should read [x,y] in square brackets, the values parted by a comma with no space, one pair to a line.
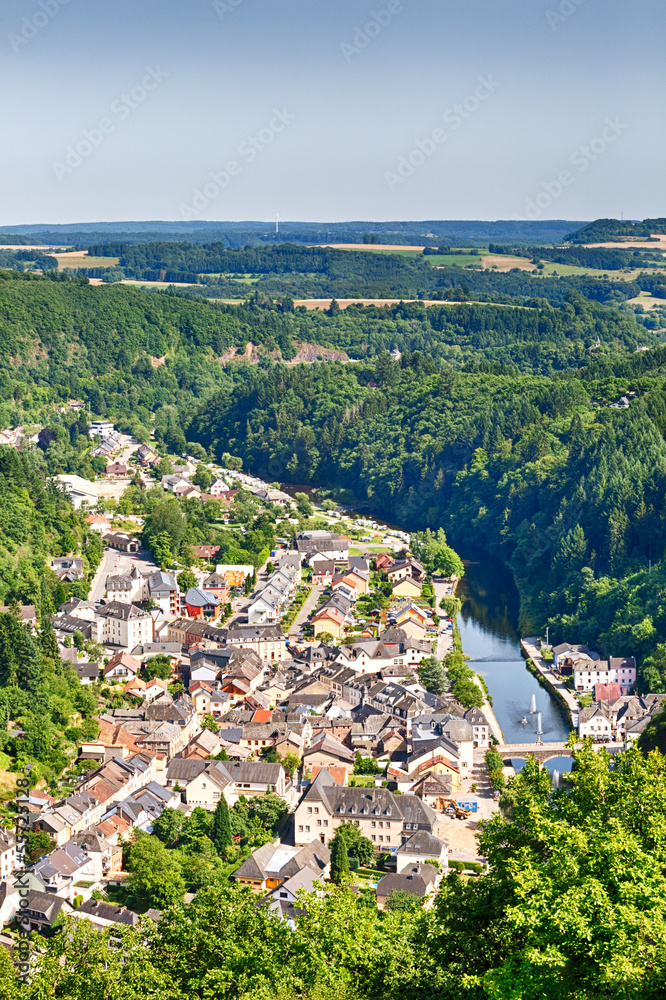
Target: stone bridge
[543,752]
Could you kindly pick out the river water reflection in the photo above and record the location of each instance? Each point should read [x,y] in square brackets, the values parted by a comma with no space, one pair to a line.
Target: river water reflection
[489,630]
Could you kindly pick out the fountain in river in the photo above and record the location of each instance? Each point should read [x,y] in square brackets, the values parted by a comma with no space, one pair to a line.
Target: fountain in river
[533,705]
[556,779]
[539,729]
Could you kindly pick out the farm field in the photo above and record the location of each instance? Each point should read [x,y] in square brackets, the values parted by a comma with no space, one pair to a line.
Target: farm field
[501,262]
[80,258]
[453,259]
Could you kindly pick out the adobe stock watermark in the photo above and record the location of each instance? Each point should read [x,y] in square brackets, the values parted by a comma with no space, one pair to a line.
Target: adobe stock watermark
[121,109]
[377,21]
[32,25]
[22,883]
[581,158]
[562,13]
[247,151]
[223,7]
[455,117]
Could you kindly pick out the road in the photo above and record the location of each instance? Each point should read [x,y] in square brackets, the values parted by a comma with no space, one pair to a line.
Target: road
[116,563]
[532,647]
[307,609]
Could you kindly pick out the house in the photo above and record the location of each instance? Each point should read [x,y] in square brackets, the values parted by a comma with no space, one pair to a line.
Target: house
[203,782]
[267,641]
[163,591]
[273,864]
[327,751]
[116,469]
[102,914]
[386,819]
[42,910]
[407,610]
[383,561]
[329,620]
[67,568]
[323,572]
[405,570]
[355,579]
[216,489]
[419,847]
[331,545]
[596,721]
[7,853]
[77,608]
[146,456]
[123,624]
[282,901]
[407,587]
[101,428]
[201,604]
[98,523]
[207,551]
[88,672]
[216,584]
[617,670]
[122,542]
[481,733]
[119,588]
[440,756]
[122,666]
[435,790]
[418,879]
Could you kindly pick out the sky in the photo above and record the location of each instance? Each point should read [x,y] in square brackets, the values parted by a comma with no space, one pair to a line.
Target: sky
[331,110]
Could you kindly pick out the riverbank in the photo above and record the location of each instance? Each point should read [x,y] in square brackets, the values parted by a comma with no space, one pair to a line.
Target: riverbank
[531,649]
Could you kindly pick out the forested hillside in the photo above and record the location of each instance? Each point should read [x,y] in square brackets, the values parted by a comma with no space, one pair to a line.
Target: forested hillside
[322,271]
[540,471]
[496,423]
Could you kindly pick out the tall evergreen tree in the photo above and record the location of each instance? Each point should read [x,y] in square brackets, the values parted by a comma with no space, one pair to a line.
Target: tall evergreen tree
[339,859]
[221,830]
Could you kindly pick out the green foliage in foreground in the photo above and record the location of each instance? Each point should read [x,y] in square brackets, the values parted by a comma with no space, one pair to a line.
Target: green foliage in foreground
[572,907]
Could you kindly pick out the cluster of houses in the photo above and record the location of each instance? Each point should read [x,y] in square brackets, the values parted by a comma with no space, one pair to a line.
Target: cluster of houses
[615,712]
[110,443]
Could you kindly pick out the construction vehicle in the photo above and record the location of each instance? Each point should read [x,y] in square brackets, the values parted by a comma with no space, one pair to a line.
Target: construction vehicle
[451,808]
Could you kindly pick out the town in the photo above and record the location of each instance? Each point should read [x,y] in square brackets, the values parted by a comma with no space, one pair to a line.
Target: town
[323,693]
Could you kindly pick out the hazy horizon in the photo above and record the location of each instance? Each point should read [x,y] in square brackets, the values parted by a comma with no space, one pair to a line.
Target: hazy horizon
[232,110]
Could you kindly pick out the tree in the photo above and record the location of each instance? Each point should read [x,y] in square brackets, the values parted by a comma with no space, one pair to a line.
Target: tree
[268,809]
[159,666]
[38,843]
[365,765]
[270,755]
[168,826]
[399,901]
[468,693]
[451,605]
[358,846]
[339,860]
[291,762]
[160,546]
[432,675]
[303,505]
[210,722]
[186,580]
[155,873]
[203,478]
[221,829]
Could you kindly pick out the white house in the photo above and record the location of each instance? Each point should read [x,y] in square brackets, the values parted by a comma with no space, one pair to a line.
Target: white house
[617,670]
[124,625]
[596,721]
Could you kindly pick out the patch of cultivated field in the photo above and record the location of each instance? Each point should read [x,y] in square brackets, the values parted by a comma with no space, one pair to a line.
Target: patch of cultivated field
[500,262]
[80,258]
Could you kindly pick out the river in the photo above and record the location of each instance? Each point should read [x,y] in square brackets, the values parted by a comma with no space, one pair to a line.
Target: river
[489,630]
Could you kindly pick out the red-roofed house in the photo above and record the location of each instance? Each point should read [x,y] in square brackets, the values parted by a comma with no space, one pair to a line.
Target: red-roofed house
[262,715]
[339,774]
[607,692]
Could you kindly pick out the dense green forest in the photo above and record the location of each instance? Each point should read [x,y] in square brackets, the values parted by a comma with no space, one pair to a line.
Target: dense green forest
[606,230]
[313,272]
[600,258]
[572,907]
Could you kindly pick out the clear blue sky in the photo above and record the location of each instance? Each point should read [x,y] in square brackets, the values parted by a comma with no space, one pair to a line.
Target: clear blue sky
[316,117]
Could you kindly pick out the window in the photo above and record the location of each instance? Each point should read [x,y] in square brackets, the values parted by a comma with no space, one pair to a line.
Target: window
[318,822]
[373,823]
[309,810]
[381,825]
[373,837]
[307,829]
[316,809]
[300,829]
[380,837]
[325,822]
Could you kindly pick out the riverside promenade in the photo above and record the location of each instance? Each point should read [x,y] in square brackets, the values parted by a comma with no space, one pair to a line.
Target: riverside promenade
[531,646]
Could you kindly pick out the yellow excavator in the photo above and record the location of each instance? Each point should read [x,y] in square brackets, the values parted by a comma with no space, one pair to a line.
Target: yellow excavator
[451,807]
